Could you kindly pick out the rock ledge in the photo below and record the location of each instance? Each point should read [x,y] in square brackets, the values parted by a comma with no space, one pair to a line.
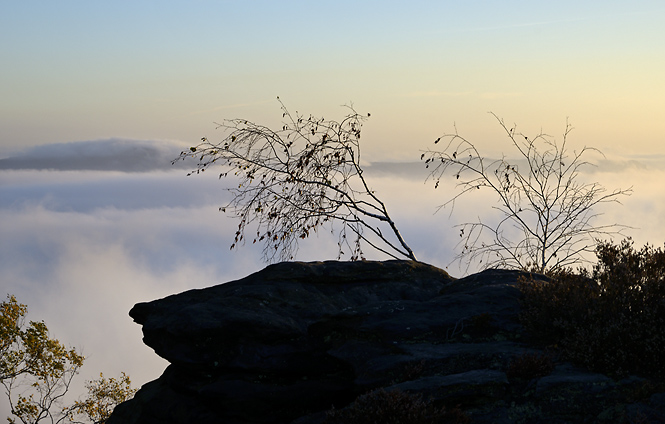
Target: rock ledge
[287,343]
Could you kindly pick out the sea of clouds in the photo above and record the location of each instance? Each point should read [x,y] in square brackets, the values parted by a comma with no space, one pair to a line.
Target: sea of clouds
[91,228]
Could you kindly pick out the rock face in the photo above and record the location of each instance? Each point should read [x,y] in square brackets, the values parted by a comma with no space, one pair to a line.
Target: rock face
[287,343]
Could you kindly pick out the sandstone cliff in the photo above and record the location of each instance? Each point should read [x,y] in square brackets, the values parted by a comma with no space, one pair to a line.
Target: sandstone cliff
[287,343]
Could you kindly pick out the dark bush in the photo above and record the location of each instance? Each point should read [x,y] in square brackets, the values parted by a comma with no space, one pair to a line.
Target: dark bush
[393,407]
[530,365]
[610,319]
[482,324]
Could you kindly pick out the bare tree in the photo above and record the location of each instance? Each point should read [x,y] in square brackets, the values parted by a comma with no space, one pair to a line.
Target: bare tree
[547,217]
[292,181]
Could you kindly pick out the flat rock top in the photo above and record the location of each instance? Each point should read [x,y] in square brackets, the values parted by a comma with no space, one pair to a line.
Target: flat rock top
[290,300]
[328,277]
[279,302]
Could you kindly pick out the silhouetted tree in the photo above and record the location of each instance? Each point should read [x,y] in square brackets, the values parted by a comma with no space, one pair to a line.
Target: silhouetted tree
[292,181]
[543,200]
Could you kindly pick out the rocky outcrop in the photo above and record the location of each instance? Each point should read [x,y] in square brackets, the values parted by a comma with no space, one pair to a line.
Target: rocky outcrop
[287,343]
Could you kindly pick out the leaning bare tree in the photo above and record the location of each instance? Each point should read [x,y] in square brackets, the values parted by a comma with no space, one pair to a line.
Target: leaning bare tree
[292,181]
[547,217]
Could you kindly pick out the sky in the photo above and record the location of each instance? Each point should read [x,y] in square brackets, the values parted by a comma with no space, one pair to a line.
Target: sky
[96,98]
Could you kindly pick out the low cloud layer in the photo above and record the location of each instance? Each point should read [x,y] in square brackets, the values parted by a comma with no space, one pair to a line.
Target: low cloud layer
[84,191]
[81,247]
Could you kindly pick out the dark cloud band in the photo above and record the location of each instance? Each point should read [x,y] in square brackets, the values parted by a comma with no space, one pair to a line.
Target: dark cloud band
[115,154]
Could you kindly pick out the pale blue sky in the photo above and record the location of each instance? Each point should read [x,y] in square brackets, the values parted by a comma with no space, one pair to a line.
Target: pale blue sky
[85,70]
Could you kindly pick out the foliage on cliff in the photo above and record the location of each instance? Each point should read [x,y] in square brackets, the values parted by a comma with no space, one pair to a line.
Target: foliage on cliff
[609,319]
[293,181]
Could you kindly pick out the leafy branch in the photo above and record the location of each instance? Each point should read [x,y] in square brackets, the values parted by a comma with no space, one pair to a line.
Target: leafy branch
[295,180]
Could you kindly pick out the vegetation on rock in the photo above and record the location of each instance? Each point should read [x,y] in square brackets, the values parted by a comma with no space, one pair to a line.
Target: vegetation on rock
[609,319]
[394,407]
[307,175]
[530,365]
[295,180]
[546,213]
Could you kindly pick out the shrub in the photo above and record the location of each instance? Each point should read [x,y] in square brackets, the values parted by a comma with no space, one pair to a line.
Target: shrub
[530,365]
[482,322]
[393,407]
[610,319]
